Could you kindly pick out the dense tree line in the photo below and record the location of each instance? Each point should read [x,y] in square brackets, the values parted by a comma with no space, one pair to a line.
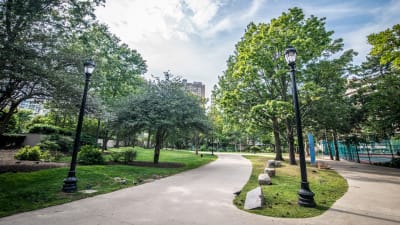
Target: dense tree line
[253,95]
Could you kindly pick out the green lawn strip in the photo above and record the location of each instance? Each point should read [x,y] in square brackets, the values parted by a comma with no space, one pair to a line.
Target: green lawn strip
[281,197]
[21,192]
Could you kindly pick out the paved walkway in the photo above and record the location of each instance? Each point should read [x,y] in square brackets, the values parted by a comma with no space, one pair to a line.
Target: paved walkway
[204,196]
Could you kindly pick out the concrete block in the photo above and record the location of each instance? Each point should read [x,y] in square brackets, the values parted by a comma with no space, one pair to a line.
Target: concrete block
[270,171]
[254,199]
[271,163]
[264,179]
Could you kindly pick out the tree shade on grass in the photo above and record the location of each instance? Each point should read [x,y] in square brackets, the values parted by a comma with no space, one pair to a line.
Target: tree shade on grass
[21,192]
[281,197]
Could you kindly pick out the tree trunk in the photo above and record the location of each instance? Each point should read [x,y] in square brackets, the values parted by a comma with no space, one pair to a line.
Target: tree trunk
[289,130]
[7,118]
[105,141]
[148,139]
[278,149]
[157,148]
[98,131]
[328,145]
[335,145]
[117,141]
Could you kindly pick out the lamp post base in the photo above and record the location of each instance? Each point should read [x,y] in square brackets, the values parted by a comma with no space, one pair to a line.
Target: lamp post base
[70,185]
[306,196]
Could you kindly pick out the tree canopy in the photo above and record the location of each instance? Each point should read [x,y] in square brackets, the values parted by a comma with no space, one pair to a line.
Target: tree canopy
[163,107]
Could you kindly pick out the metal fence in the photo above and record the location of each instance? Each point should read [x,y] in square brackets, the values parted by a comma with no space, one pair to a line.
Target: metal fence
[371,152]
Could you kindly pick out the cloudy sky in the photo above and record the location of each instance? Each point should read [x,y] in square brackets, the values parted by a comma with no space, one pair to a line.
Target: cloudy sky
[193,38]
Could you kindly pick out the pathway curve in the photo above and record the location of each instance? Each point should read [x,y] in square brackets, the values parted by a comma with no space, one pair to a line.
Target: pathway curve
[204,196]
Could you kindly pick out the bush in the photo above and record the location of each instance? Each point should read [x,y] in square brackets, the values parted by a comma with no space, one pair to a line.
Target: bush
[116,156]
[90,155]
[126,155]
[87,139]
[64,143]
[49,145]
[129,155]
[46,156]
[29,153]
[43,129]
[255,149]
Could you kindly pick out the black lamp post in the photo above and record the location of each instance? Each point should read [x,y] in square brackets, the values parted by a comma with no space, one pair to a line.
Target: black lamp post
[70,181]
[306,196]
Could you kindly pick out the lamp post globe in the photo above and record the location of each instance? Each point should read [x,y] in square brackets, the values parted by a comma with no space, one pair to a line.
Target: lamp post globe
[70,183]
[306,196]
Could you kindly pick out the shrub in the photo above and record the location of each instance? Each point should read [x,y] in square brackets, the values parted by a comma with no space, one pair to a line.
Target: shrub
[116,156]
[29,153]
[64,143]
[255,149]
[46,156]
[90,155]
[129,155]
[43,129]
[49,145]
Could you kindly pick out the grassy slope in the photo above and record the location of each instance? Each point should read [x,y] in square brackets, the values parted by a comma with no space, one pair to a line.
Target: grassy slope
[27,191]
[281,197]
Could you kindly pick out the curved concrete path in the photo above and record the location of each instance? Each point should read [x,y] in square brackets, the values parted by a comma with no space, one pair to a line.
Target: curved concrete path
[204,196]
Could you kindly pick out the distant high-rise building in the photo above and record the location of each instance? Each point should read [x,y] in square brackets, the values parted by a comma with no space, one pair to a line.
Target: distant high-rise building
[35,105]
[197,88]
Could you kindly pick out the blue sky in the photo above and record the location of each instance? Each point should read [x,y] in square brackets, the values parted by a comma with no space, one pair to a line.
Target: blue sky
[193,38]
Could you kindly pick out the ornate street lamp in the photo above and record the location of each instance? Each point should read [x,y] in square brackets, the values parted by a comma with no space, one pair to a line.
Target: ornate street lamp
[71,180]
[306,196]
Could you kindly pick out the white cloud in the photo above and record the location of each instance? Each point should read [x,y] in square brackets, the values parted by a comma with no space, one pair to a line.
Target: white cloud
[193,38]
[203,12]
[253,10]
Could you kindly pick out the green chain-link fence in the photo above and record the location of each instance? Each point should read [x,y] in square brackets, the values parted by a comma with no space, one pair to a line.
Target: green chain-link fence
[371,152]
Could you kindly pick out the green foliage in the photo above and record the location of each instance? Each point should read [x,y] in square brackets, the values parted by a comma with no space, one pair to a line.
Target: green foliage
[126,155]
[90,155]
[255,149]
[29,153]
[57,142]
[129,155]
[164,108]
[49,145]
[48,129]
[385,45]
[46,156]
[253,92]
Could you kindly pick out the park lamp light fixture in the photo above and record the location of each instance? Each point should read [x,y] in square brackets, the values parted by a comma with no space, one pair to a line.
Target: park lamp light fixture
[290,55]
[70,183]
[89,66]
[306,196]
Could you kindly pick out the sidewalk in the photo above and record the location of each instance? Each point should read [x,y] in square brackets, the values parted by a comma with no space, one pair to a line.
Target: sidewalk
[204,196]
[373,196]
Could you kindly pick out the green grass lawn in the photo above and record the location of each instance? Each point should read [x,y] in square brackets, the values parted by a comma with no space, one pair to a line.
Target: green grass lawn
[281,197]
[21,192]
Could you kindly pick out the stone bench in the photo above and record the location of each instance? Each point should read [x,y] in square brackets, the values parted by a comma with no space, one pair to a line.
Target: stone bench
[270,171]
[264,179]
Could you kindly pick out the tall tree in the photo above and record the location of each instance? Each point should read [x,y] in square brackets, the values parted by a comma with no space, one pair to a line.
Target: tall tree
[163,107]
[30,63]
[386,45]
[257,72]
